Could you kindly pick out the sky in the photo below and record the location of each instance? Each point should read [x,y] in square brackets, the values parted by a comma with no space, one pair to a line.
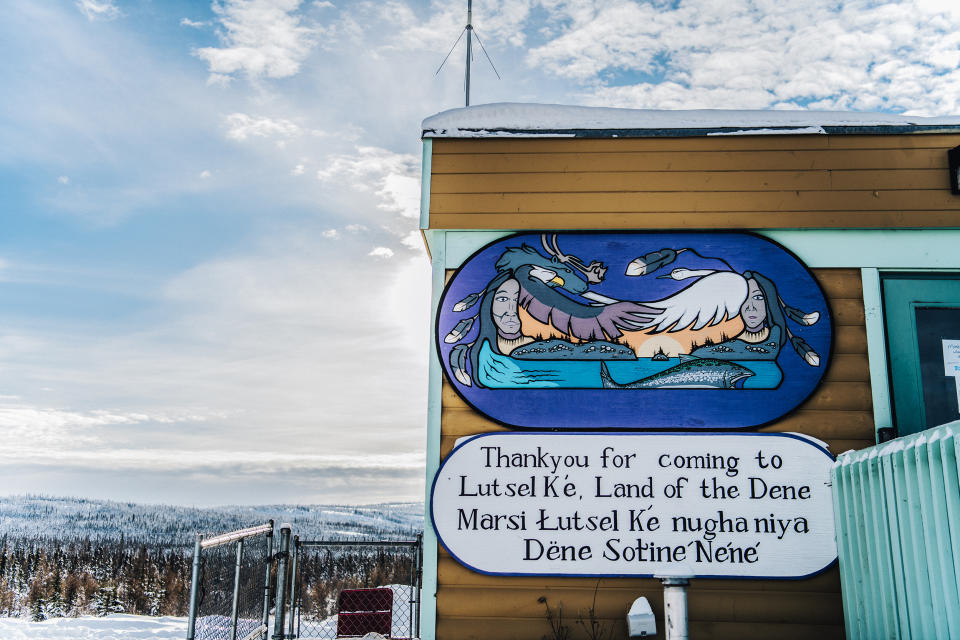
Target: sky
[213,289]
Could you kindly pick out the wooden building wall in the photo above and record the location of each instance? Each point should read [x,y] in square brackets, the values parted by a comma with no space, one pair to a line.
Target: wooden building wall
[808,181]
[697,183]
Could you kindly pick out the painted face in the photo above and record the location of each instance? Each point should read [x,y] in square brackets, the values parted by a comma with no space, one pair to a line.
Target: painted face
[504,308]
[753,311]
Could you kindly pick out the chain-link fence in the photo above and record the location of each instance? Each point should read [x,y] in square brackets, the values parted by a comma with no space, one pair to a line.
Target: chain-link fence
[245,587]
[230,595]
[349,589]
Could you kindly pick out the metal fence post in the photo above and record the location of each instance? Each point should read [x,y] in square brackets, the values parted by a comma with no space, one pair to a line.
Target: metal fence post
[418,581]
[266,580]
[293,587]
[413,589]
[194,587]
[235,611]
[281,599]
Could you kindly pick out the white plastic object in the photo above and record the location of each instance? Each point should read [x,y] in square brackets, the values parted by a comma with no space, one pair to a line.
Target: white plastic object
[640,620]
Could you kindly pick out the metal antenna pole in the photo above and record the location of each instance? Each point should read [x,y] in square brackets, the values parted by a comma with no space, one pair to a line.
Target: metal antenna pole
[469,31]
[469,46]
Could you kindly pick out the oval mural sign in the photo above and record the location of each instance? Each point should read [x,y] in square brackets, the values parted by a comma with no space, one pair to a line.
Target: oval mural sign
[633,330]
[733,505]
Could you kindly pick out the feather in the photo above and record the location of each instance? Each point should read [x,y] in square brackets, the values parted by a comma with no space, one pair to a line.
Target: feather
[800,317]
[651,262]
[460,331]
[708,301]
[458,364]
[806,351]
[467,302]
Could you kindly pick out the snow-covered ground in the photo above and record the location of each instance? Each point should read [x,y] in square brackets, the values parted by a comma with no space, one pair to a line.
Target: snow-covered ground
[128,627]
[115,627]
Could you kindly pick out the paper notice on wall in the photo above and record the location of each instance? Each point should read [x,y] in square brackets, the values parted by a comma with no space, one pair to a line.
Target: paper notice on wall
[951,357]
[951,362]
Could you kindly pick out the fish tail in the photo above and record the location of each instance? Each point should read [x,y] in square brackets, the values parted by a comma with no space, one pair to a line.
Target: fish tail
[608,382]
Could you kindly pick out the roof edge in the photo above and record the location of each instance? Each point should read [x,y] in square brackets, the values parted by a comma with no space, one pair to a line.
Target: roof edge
[685,133]
[519,120]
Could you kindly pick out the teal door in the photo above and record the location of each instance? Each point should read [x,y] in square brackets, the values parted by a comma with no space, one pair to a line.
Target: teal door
[922,316]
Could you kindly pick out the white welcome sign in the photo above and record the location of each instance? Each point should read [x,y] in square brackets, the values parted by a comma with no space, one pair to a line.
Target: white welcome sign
[627,504]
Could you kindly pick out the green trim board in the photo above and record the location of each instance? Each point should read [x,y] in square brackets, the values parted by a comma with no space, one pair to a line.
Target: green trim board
[436,241]
[428,605]
[823,248]
[876,348]
[426,170]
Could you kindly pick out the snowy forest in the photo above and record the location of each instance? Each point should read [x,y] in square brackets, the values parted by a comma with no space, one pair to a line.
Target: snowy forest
[64,557]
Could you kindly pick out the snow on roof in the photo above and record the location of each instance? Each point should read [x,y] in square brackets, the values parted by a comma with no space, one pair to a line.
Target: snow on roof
[509,119]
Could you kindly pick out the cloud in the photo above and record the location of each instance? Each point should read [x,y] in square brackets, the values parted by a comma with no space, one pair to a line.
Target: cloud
[401,193]
[253,462]
[625,35]
[25,427]
[394,177]
[381,252]
[105,452]
[413,240]
[187,22]
[119,90]
[260,38]
[205,174]
[298,170]
[63,180]
[98,9]
[355,228]
[241,126]
[331,234]
[899,56]
[303,327]
[495,21]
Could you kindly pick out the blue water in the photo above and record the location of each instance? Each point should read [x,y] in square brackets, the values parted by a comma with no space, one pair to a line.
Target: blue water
[503,372]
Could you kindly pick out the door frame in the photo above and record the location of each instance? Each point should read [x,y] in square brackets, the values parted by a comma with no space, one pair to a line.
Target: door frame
[906,383]
[879,350]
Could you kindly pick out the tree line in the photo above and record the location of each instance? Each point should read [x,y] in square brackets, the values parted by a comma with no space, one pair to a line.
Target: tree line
[49,579]
[42,579]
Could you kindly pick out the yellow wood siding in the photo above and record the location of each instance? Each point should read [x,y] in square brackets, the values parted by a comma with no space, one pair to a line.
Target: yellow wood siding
[471,605]
[706,182]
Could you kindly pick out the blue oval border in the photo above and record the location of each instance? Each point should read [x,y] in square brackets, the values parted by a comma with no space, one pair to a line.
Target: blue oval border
[649,409]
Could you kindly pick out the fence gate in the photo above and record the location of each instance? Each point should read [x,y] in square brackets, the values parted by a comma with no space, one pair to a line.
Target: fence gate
[347,589]
[230,590]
